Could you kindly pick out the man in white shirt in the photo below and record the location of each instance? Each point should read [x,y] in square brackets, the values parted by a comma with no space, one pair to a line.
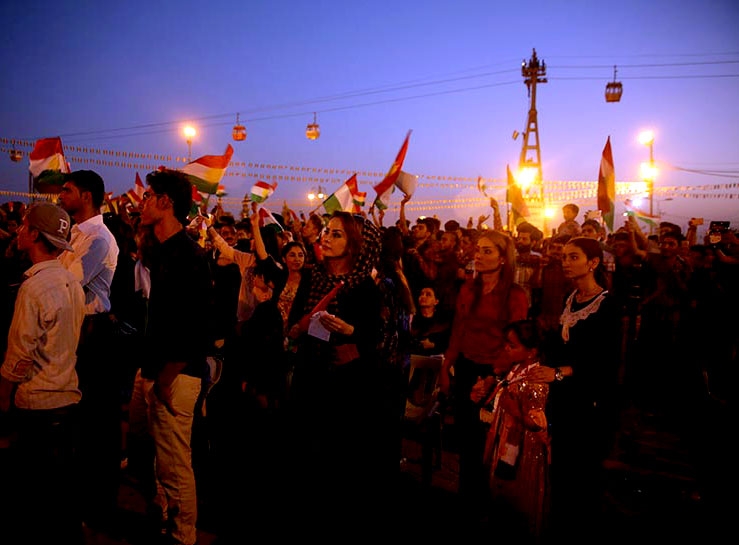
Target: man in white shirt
[93,262]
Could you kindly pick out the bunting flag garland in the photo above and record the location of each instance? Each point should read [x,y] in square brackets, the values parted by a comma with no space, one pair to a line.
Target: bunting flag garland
[345,198]
[261,191]
[607,186]
[385,188]
[206,172]
[515,199]
[46,163]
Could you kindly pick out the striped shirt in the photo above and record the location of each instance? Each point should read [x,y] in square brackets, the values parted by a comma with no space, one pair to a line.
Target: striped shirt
[43,336]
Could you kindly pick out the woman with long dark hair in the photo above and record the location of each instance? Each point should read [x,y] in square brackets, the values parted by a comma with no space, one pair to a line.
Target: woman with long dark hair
[582,370]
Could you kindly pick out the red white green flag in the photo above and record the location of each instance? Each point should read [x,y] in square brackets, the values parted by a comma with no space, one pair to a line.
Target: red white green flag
[607,186]
[197,203]
[136,195]
[359,199]
[346,198]
[205,172]
[267,219]
[47,164]
[386,187]
[262,190]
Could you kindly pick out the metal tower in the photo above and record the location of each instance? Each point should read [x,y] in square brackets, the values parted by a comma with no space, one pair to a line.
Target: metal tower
[533,72]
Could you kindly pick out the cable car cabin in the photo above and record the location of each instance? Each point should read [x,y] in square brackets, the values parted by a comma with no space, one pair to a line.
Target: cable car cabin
[614,90]
[313,131]
[239,133]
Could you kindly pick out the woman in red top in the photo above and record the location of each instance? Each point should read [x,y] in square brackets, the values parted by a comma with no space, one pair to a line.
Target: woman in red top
[485,306]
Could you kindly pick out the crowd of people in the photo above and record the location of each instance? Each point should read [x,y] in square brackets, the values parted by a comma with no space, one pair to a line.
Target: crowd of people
[119,326]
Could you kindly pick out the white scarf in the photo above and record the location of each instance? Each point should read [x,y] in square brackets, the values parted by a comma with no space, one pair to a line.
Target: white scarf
[569,318]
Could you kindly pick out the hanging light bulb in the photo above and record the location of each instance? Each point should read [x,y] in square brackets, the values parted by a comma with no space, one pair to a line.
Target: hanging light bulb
[239,131]
[313,131]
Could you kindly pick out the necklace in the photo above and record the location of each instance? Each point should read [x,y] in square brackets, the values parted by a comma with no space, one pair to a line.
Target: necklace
[584,296]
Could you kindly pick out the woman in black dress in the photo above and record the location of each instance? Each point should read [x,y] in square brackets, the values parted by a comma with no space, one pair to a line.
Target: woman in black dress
[583,371]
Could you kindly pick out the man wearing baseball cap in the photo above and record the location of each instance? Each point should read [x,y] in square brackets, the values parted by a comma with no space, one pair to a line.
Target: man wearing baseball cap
[39,379]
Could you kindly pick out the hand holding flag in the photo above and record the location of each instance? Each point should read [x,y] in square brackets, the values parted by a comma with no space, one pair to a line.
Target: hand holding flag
[261,191]
[304,322]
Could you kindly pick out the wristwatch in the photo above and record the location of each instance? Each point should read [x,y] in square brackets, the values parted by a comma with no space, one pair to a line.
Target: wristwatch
[558,375]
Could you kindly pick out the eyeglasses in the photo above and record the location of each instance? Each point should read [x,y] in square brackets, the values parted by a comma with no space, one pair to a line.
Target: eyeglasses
[149,194]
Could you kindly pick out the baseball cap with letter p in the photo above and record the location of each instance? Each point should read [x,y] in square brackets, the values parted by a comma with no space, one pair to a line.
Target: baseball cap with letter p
[52,222]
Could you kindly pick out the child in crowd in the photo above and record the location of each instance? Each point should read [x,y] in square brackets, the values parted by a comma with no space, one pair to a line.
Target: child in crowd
[517,445]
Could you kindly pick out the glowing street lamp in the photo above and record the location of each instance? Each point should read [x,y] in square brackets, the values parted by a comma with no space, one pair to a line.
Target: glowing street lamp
[526,178]
[649,170]
[320,194]
[189,132]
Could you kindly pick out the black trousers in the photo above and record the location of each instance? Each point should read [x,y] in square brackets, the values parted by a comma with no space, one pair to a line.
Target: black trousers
[44,471]
[98,368]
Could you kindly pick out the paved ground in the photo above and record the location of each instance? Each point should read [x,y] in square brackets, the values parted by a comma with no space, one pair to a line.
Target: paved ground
[669,478]
[660,485]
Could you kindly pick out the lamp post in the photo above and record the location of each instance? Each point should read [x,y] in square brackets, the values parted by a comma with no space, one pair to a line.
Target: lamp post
[319,194]
[189,132]
[648,170]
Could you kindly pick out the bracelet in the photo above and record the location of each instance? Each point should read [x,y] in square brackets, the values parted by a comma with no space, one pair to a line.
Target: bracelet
[558,375]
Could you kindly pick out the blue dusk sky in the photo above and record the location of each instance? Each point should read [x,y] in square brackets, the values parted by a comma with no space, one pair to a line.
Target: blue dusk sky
[126,77]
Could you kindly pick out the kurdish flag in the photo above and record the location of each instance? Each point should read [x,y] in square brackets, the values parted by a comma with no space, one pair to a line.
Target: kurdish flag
[386,187]
[196,209]
[261,191]
[267,219]
[607,186]
[46,164]
[346,198]
[205,172]
[136,195]
[359,199]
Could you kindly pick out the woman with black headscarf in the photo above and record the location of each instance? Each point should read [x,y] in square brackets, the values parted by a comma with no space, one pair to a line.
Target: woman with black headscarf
[335,390]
